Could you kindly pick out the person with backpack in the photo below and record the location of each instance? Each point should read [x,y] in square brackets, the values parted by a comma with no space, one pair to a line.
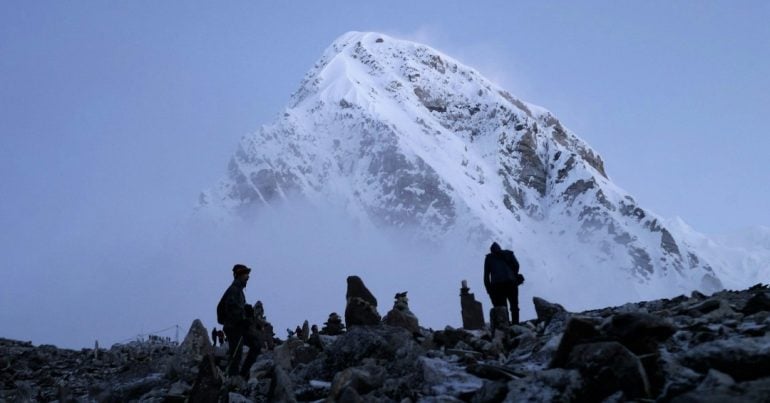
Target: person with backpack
[232,315]
[502,279]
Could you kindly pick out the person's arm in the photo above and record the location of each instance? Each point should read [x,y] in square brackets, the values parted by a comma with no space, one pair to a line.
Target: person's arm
[515,263]
[487,274]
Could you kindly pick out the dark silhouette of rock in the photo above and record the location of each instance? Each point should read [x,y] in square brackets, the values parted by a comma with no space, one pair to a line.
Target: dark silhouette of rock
[197,343]
[608,367]
[208,383]
[758,303]
[361,308]
[281,388]
[357,289]
[305,334]
[743,358]
[471,310]
[401,316]
[363,380]
[333,326]
[546,310]
[499,318]
[639,332]
[578,331]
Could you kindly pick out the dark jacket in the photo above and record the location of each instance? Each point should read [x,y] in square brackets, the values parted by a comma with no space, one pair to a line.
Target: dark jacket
[234,301]
[500,266]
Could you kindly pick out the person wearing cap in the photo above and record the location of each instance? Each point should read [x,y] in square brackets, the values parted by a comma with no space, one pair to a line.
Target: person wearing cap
[231,311]
[502,279]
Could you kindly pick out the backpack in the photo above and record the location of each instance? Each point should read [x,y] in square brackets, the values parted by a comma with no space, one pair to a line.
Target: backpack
[221,311]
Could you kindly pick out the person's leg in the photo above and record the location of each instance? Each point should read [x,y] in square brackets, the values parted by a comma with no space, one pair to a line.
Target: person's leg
[496,295]
[234,350]
[251,356]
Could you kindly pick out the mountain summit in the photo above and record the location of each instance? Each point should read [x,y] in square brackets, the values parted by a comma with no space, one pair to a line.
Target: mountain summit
[405,136]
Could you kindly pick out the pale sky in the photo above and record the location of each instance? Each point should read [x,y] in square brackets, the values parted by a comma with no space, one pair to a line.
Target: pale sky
[115,115]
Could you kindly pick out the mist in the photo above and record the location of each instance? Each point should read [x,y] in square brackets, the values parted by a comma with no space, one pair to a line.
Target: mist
[115,285]
[123,281]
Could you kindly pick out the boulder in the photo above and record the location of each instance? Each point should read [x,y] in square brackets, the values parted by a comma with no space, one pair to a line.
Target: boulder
[743,358]
[578,330]
[207,385]
[362,379]
[197,343]
[639,332]
[499,319]
[546,310]
[608,367]
[402,319]
[281,388]
[757,303]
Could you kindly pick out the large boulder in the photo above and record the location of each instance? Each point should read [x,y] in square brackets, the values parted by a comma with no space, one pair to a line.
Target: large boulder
[362,379]
[197,343]
[546,310]
[757,303]
[609,367]
[743,358]
[640,332]
[578,330]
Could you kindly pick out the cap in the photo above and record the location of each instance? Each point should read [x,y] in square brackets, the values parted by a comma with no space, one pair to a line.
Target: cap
[239,269]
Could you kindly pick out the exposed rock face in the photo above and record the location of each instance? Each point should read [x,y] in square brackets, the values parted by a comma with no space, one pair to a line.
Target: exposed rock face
[685,349]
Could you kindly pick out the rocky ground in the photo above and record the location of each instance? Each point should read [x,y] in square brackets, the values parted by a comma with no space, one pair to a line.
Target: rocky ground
[686,349]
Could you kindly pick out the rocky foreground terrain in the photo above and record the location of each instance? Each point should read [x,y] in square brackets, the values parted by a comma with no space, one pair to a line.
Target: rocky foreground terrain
[686,349]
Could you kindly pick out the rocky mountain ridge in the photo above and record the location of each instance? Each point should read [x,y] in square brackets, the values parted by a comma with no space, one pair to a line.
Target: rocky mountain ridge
[696,348]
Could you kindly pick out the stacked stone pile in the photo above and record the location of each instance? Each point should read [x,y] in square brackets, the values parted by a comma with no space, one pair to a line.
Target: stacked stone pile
[689,348]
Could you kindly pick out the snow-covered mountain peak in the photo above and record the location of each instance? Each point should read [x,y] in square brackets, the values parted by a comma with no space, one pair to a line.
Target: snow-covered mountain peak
[403,136]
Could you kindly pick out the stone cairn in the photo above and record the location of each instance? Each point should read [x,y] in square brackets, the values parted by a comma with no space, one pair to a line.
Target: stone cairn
[361,308]
[472,312]
[333,326]
[401,316]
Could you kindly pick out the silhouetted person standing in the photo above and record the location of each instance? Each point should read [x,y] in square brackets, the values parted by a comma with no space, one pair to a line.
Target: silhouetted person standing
[231,313]
[502,279]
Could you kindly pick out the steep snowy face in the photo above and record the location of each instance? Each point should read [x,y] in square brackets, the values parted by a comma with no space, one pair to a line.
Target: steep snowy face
[405,136]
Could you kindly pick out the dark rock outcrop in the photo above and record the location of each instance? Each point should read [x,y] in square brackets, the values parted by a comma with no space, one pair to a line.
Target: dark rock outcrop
[361,308]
